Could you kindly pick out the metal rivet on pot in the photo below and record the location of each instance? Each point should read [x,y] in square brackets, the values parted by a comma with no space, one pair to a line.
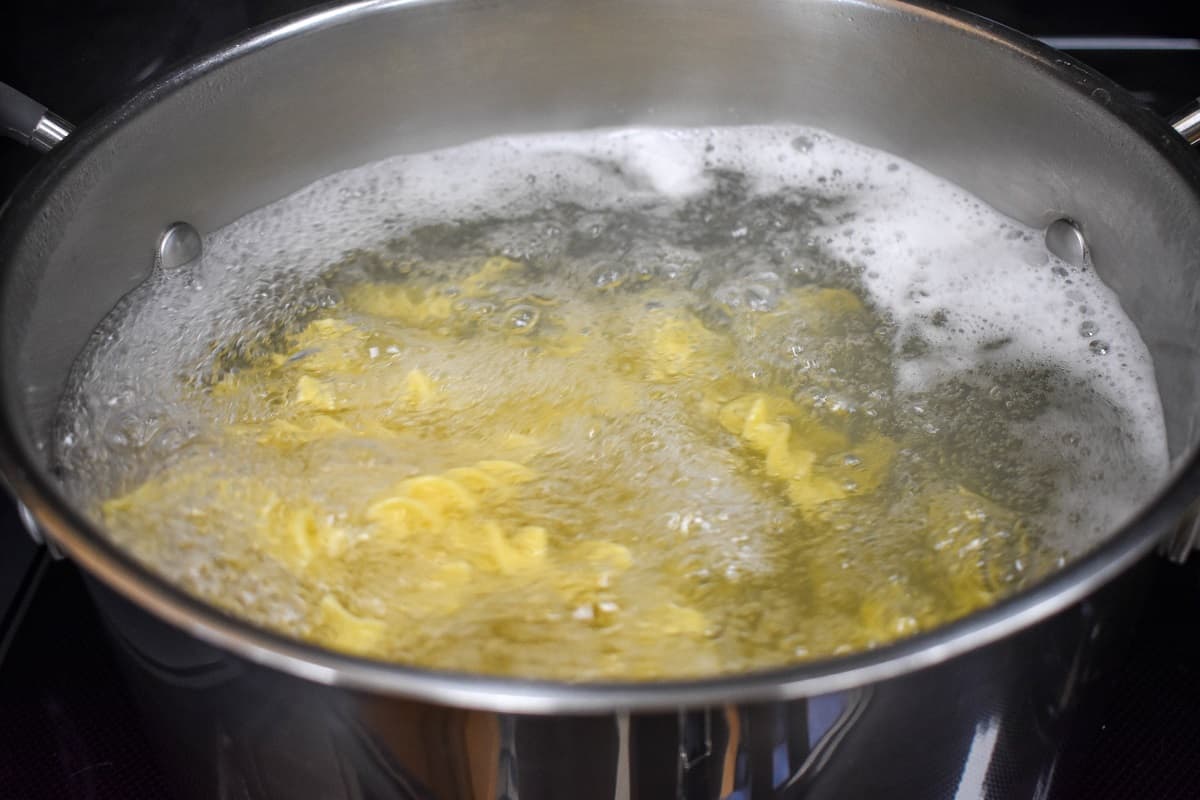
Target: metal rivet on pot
[178,246]
[1065,240]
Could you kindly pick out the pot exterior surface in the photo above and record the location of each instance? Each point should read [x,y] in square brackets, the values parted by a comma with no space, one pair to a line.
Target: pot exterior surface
[987,724]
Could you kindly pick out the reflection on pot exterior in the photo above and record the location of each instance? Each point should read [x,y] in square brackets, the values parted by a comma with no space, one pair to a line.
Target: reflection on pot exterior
[988,724]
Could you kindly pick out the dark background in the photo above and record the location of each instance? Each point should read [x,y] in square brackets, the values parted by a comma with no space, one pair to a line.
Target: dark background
[67,728]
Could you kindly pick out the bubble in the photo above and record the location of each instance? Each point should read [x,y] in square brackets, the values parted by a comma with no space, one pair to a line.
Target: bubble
[802,144]
[474,308]
[523,318]
[758,292]
[608,278]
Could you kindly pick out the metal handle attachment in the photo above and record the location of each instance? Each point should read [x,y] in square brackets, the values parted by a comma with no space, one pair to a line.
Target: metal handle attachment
[35,531]
[26,120]
[1187,122]
[1186,536]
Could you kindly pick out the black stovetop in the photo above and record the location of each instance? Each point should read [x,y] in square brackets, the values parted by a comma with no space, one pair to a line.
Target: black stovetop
[68,728]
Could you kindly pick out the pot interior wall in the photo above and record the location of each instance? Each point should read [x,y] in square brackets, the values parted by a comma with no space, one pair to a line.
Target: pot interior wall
[1033,137]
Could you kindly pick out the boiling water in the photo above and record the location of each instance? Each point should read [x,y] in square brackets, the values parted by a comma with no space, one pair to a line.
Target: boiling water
[625,404]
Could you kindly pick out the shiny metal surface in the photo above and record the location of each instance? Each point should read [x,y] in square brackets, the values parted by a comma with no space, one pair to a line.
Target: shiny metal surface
[1030,131]
[27,121]
[35,533]
[1187,123]
[1065,240]
[983,725]
[1179,546]
[49,132]
[179,245]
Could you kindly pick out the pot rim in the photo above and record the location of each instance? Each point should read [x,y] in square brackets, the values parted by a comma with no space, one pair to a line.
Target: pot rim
[84,542]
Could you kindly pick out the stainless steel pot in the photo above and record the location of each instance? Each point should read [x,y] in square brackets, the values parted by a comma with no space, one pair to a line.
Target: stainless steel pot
[975,709]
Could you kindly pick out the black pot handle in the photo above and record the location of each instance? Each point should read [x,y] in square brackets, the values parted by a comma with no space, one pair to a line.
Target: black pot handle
[26,120]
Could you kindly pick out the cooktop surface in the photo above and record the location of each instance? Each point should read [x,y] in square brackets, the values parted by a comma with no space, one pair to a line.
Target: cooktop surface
[68,726]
